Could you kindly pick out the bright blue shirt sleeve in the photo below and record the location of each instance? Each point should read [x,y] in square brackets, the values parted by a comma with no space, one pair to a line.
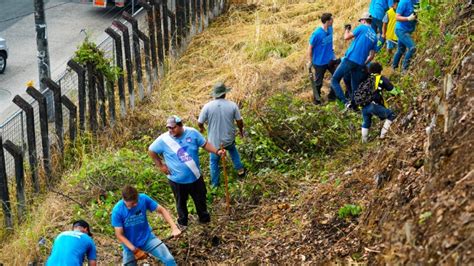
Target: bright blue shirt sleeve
[200,140]
[150,204]
[117,220]
[357,31]
[92,252]
[385,18]
[156,146]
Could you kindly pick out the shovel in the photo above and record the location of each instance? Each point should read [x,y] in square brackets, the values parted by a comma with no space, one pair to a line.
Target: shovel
[227,199]
[316,92]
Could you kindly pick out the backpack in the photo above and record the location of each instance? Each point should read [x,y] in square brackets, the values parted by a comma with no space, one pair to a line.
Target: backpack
[365,92]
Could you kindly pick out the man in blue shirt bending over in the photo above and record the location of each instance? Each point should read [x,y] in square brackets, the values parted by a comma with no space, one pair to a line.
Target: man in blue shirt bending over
[131,226]
[321,53]
[359,54]
[70,247]
[404,27]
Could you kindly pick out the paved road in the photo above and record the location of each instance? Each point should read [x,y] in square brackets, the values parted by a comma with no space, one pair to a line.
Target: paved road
[65,20]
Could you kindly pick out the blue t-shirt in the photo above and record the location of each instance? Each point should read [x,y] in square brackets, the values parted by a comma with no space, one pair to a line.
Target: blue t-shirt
[69,249]
[378,8]
[323,51]
[189,143]
[406,8]
[364,41]
[134,221]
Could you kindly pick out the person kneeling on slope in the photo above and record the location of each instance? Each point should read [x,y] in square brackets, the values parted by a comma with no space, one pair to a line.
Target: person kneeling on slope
[369,97]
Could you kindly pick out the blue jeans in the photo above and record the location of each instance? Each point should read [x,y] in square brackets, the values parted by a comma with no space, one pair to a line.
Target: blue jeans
[404,42]
[215,167]
[357,75]
[378,110]
[377,25]
[153,247]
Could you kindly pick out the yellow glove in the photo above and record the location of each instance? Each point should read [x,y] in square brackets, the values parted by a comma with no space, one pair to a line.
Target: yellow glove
[139,254]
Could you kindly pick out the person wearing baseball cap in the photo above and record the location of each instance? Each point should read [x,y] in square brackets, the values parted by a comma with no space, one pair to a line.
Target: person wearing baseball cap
[179,149]
[360,53]
[71,247]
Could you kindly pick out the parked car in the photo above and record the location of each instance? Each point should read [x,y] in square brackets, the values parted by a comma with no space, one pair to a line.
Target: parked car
[3,54]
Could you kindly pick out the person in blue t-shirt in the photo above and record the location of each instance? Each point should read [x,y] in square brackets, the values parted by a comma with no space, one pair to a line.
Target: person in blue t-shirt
[321,53]
[377,10]
[404,27]
[131,227]
[179,147]
[360,53]
[70,247]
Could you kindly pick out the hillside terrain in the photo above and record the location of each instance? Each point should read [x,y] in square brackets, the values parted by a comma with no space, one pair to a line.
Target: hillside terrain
[314,193]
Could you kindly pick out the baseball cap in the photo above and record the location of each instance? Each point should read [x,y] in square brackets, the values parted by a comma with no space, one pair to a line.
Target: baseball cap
[84,224]
[173,120]
[365,15]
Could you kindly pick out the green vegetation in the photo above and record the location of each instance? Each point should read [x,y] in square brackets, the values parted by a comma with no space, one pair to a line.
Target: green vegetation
[349,210]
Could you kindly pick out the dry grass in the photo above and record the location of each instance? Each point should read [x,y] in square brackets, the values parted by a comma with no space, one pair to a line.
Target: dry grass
[235,50]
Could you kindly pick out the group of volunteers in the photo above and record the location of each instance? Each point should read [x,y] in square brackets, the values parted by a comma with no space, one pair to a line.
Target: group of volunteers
[176,154]
[389,22]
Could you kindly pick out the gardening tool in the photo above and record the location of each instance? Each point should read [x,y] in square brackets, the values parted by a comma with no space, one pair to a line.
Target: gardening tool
[227,199]
[316,92]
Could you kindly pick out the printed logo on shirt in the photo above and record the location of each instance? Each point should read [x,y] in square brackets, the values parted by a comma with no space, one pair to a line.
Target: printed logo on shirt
[371,36]
[327,40]
[183,156]
[188,140]
[137,218]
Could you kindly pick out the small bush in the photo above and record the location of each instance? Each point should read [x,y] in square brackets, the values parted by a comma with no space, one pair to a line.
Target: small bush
[349,210]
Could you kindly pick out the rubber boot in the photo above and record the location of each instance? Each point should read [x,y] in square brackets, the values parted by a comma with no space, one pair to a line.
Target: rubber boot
[365,134]
[385,128]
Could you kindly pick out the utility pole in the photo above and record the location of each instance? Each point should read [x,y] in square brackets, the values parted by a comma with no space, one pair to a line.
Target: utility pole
[42,43]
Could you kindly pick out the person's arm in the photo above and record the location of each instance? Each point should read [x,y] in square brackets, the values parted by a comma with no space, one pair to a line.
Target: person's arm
[370,57]
[401,18]
[167,216]
[121,237]
[210,148]
[159,163]
[310,55]
[240,125]
[92,263]
[386,84]
[201,127]
[348,34]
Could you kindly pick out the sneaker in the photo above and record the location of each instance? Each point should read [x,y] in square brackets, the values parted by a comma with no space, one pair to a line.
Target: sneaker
[241,173]
[347,106]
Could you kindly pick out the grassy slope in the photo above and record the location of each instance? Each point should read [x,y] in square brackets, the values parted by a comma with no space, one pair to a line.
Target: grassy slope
[276,217]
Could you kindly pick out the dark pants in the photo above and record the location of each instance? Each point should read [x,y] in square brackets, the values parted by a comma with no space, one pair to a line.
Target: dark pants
[318,81]
[181,193]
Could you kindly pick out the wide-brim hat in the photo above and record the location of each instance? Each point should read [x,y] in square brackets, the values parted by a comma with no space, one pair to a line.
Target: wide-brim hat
[219,89]
[366,16]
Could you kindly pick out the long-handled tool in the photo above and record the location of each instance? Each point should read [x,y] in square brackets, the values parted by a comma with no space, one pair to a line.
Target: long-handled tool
[316,91]
[149,251]
[227,199]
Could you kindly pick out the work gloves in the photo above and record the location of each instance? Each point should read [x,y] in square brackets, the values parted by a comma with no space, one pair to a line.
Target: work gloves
[411,17]
[139,254]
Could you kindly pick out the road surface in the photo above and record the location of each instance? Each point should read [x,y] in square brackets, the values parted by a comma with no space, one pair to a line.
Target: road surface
[65,20]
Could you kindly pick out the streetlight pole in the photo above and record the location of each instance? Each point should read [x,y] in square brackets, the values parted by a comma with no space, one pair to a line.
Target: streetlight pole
[42,43]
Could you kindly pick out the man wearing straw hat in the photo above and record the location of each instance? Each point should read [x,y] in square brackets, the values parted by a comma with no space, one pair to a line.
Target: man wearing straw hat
[220,115]
[359,54]
[179,147]
[70,247]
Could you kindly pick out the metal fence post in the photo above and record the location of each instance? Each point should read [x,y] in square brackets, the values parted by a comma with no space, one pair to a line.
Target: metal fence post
[17,154]
[146,42]
[136,52]
[151,31]
[92,97]
[58,112]
[30,134]
[120,80]
[164,13]
[81,78]
[43,117]
[5,196]
[72,117]
[128,60]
